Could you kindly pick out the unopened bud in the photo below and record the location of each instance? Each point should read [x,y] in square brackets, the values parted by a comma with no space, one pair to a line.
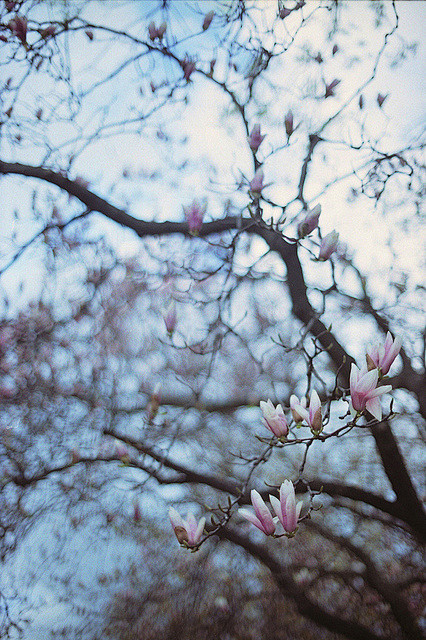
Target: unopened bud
[208,20]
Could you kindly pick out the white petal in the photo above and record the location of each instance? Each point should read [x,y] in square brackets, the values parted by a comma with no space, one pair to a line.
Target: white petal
[175,518]
[374,407]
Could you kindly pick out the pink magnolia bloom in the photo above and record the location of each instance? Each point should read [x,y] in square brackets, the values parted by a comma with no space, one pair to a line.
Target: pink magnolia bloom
[194,216]
[188,67]
[208,20]
[120,450]
[255,138]
[289,122]
[310,222]
[170,317]
[189,531]
[49,31]
[294,400]
[328,245]
[19,26]
[137,515]
[383,356]
[364,391]
[274,418]
[154,403]
[256,185]
[330,87]
[312,414]
[284,12]
[287,510]
[156,32]
[263,519]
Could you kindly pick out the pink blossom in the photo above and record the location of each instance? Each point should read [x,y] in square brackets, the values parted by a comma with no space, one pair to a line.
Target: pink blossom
[194,216]
[120,450]
[170,317]
[364,391]
[156,32]
[256,185]
[284,12]
[154,403]
[287,510]
[328,245]
[49,31]
[263,519]
[208,20]
[310,222]
[312,414]
[188,67]
[188,532]
[255,139]
[330,87]
[289,123]
[19,27]
[274,418]
[381,357]
[381,98]
[137,515]
[294,400]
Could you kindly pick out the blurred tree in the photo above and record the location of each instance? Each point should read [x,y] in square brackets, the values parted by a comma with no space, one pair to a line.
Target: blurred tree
[166,266]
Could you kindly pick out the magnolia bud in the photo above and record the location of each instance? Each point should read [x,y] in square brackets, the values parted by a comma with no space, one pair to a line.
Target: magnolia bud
[208,20]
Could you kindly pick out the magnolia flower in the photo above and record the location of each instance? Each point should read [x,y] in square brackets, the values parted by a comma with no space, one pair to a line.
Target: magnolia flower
[263,519]
[284,12]
[188,532]
[154,403]
[328,245]
[194,216]
[287,510]
[137,515]
[289,123]
[274,418]
[381,98]
[364,391]
[255,139]
[383,356]
[208,20]
[120,451]
[330,87]
[19,26]
[188,67]
[294,400]
[312,414]
[256,184]
[156,32]
[310,222]
[169,316]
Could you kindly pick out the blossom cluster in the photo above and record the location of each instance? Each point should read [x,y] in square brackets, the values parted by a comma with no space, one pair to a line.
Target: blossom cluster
[287,511]
[364,396]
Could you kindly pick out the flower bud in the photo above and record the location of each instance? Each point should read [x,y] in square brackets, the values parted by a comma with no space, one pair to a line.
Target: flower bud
[208,20]
[310,222]
[194,216]
[256,184]
[294,400]
[255,139]
[289,123]
[18,26]
[328,245]
[170,317]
